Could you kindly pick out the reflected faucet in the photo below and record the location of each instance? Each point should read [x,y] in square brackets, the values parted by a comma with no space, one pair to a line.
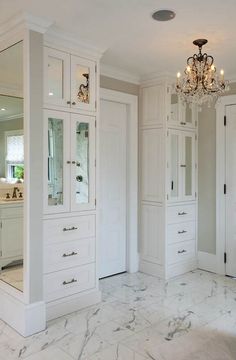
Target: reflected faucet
[14,195]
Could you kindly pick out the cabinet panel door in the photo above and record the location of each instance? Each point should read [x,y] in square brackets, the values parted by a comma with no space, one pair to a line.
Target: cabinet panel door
[56,162]
[188,166]
[56,77]
[82,162]
[181,114]
[82,83]
[174,170]
[152,184]
[12,237]
[153,105]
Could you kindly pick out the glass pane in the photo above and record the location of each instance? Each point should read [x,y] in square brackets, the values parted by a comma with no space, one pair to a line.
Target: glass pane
[55,77]
[174,165]
[82,163]
[188,114]
[82,84]
[12,167]
[174,108]
[188,163]
[55,162]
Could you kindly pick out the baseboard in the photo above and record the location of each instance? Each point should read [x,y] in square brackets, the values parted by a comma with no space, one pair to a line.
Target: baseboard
[151,268]
[70,304]
[180,268]
[26,319]
[207,261]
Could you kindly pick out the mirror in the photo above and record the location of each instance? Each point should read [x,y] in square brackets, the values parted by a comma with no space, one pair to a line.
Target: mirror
[82,163]
[174,168]
[174,108]
[188,162]
[55,162]
[11,166]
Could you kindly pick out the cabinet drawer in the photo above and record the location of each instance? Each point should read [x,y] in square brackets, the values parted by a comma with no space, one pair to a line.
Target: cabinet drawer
[68,282]
[176,214]
[180,232]
[74,228]
[66,255]
[180,252]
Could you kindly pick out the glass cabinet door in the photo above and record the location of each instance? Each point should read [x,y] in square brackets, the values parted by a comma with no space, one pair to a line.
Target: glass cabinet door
[174,168]
[174,109]
[56,77]
[82,83]
[187,115]
[83,162]
[188,166]
[56,160]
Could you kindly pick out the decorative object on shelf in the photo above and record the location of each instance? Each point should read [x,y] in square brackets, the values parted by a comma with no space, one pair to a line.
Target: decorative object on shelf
[200,82]
[83,94]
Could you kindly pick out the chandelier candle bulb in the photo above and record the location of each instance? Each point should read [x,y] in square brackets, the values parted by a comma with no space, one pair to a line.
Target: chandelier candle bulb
[222,74]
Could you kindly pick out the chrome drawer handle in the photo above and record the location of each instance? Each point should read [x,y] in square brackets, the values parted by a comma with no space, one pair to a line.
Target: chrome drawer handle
[70,229]
[69,282]
[182,232]
[182,251]
[182,213]
[183,166]
[71,254]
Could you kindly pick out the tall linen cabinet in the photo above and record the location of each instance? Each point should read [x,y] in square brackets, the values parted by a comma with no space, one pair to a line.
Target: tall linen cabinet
[168,182]
[71,86]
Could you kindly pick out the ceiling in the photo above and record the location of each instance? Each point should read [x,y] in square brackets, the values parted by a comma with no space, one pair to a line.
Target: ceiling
[133,41]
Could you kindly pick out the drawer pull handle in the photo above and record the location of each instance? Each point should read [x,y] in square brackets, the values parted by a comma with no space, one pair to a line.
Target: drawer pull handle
[182,232]
[69,282]
[183,166]
[182,213]
[71,254]
[70,229]
[182,251]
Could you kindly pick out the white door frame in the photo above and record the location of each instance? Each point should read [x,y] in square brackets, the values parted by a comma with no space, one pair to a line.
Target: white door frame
[220,180]
[131,101]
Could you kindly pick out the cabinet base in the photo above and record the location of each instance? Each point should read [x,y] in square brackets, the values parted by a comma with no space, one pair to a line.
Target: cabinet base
[70,304]
[26,319]
[171,271]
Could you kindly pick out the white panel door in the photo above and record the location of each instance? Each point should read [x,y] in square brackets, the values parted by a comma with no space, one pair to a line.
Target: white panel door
[231,190]
[112,180]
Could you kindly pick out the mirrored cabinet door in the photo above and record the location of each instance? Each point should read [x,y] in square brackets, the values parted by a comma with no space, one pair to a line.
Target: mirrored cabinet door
[82,83]
[56,77]
[83,162]
[174,165]
[57,162]
[187,115]
[188,166]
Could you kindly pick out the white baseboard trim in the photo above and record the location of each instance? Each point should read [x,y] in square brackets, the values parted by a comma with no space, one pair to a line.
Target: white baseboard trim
[26,319]
[207,261]
[70,304]
[180,268]
[151,268]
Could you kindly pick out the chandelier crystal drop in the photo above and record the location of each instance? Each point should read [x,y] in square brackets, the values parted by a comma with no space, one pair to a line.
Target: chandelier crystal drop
[200,82]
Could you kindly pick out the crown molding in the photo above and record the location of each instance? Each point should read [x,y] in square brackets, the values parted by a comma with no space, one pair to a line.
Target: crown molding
[68,42]
[157,78]
[24,21]
[119,74]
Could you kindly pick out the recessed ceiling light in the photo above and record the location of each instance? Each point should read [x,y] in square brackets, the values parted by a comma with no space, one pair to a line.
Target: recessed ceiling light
[163,15]
[2,109]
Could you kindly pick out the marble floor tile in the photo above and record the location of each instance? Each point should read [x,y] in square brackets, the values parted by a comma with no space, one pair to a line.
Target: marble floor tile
[190,317]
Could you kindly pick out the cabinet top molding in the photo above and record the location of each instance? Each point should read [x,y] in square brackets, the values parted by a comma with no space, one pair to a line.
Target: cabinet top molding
[24,21]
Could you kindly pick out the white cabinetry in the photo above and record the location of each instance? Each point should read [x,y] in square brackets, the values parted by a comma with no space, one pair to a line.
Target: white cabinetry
[11,233]
[69,81]
[168,172]
[69,227]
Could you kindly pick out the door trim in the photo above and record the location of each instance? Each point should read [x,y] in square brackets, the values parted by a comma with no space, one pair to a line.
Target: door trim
[220,181]
[131,101]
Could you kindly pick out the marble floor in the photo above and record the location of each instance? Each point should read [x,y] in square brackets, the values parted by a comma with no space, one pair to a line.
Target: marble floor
[192,317]
[13,276]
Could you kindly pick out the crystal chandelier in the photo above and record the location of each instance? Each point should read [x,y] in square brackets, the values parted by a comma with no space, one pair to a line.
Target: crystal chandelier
[200,82]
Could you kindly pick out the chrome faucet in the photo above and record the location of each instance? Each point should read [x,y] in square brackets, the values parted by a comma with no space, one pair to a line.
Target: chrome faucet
[14,195]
